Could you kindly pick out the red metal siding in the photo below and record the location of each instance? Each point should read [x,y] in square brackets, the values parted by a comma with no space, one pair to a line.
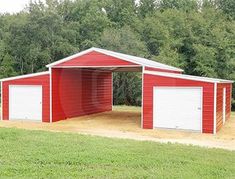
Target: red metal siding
[96,59]
[77,92]
[208,98]
[36,80]
[219,103]
[161,70]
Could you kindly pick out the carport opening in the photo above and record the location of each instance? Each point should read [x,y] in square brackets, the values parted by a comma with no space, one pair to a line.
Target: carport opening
[108,95]
[127,98]
[127,88]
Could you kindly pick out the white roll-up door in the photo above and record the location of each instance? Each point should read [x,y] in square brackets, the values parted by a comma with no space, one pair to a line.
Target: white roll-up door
[25,102]
[177,108]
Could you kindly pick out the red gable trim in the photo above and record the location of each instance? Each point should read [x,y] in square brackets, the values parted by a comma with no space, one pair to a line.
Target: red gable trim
[95,59]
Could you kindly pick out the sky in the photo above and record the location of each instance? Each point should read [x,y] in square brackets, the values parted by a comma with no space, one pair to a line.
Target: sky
[12,6]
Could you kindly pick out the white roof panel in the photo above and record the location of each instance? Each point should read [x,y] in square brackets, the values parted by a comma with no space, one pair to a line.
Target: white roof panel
[25,76]
[188,77]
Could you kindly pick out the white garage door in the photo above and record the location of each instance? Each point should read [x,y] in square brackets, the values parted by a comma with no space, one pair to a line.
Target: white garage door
[178,108]
[25,102]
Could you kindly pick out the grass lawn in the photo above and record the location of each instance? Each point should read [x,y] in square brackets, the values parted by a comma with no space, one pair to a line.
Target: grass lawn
[127,108]
[31,154]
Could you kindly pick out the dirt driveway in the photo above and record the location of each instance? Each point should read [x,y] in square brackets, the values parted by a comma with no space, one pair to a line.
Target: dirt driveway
[124,122]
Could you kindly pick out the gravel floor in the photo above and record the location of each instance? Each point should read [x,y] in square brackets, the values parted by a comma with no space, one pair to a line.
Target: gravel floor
[124,122]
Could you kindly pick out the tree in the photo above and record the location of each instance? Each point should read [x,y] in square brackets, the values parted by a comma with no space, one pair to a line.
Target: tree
[121,12]
[146,8]
[126,85]
[228,6]
[124,40]
[184,5]
[7,67]
[155,34]
[204,61]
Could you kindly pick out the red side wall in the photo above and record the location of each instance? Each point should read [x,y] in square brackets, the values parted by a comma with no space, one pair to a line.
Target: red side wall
[208,98]
[36,80]
[96,59]
[77,92]
[161,70]
[219,103]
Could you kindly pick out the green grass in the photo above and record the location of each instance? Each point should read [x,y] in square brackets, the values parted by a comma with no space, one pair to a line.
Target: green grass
[32,154]
[127,108]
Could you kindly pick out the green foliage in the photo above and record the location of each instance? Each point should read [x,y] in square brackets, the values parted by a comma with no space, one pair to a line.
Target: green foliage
[7,67]
[120,12]
[185,5]
[146,8]
[197,36]
[33,154]
[126,86]
[228,6]
[124,40]
[204,60]
[233,104]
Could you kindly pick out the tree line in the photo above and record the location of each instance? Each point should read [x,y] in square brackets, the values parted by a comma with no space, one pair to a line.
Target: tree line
[195,35]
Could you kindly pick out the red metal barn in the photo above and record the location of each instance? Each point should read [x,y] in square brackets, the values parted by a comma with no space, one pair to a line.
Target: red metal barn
[81,84]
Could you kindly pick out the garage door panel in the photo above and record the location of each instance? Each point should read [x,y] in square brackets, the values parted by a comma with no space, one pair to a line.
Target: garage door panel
[177,107]
[25,102]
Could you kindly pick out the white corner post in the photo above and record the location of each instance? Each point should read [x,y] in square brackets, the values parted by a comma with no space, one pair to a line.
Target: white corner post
[142,97]
[215,104]
[50,94]
[112,91]
[1,102]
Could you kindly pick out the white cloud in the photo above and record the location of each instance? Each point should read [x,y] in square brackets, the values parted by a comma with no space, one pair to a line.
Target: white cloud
[12,6]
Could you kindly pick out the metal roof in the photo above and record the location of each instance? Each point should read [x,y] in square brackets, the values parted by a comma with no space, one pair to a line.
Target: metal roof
[134,59]
[25,76]
[188,77]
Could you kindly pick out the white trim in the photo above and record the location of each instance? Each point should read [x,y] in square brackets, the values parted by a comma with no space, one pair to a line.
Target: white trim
[25,76]
[142,98]
[231,98]
[1,102]
[125,57]
[182,87]
[202,110]
[137,60]
[70,57]
[215,105]
[113,66]
[22,85]
[50,71]
[88,69]
[154,104]
[112,92]
[188,77]
[31,85]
